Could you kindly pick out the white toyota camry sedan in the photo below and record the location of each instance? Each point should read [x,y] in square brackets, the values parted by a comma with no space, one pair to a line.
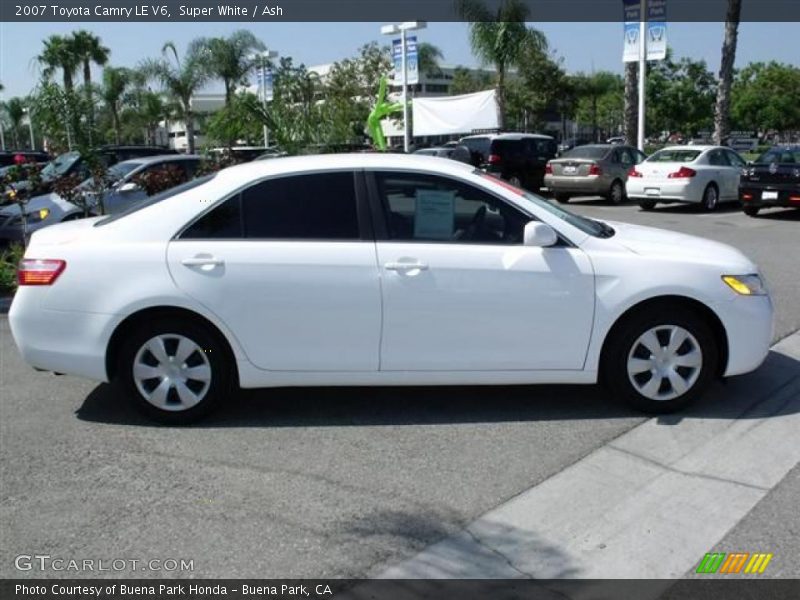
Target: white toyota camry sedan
[380,270]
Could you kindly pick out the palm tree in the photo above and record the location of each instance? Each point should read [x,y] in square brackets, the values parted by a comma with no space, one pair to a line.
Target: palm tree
[501,39]
[723,107]
[59,53]
[428,57]
[180,80]
[15,109]
[89,50]
[231,59]
[116,81]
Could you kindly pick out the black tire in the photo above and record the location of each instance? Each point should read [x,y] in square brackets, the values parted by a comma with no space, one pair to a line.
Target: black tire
[710,200]
[751,211]
[616,193]
[623,344]
[647,204]
[561,198]
[215,355]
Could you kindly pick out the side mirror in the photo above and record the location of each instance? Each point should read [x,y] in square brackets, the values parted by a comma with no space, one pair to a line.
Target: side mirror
[540,235]
[128,187]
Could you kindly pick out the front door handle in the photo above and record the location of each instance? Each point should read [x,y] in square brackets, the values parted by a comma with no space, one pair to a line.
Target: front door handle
[203,261]
[405,266]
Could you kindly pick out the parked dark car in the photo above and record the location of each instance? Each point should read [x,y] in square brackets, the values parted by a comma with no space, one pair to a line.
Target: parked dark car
[519,158]
[8,158]
[72,163]
[772,180]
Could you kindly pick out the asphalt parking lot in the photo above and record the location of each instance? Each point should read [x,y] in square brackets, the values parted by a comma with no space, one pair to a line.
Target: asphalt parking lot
[341,482]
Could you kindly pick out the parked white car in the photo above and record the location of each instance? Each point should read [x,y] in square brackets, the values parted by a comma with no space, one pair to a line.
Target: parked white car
[380,270]
[706,175]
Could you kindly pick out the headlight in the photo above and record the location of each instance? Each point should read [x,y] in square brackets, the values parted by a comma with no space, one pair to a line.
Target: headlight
[38,215]
[746,285]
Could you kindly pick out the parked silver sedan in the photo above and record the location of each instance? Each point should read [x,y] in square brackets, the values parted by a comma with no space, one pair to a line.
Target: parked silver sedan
[594,170]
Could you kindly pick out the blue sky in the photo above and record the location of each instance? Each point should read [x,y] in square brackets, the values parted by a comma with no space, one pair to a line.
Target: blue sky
[583,45]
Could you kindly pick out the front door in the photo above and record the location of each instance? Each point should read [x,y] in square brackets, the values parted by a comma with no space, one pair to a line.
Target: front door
[461,292]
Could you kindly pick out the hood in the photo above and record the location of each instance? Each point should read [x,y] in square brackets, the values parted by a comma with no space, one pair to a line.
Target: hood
[37,203]
[652,242]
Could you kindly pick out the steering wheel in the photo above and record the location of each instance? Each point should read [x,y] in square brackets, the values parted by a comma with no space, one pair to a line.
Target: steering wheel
[477,224]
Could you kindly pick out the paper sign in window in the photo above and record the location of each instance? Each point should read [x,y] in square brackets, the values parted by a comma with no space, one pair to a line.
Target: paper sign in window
[434,215]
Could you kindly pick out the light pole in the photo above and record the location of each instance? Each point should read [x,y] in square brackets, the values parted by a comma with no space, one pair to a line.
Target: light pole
[402,28]
[642,72]
[263,60]
[28,112]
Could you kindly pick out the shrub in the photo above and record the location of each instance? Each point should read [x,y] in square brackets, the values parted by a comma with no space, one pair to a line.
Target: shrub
[9,259]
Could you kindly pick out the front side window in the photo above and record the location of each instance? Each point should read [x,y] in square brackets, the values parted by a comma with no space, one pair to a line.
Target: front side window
[430,208]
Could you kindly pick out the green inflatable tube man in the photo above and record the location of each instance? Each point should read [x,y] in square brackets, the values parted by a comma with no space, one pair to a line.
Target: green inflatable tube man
[382,109]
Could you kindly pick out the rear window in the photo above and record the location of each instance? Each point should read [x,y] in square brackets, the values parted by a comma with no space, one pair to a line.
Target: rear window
[157,198]
[778,155]
[479,145]
[590,152]
[678,156]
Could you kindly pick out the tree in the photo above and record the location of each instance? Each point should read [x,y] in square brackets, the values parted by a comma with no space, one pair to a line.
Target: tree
[501,39]
[88,50]
[231,59]
[59,53]
[235,122]
[539,87]
[681,96]
[180,80]
[428,57]
[764,97]
[15,110]
[466,81]
[116,81]
[630,125]
[723,106]
[590,89]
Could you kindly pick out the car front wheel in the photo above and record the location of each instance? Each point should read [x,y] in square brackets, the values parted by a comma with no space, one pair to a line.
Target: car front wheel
[660,364]
[647,204]
[752,211]
[562,198]
[174,371]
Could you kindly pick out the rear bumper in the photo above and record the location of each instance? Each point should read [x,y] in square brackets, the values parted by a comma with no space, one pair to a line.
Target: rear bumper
[590,186]
[753,195]
[60,341]
[663,191]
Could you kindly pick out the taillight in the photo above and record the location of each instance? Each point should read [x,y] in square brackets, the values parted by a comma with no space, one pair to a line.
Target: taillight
[595,170]
[39,271]
[548,169]
[634,173]
[494,159]
[682,173]
[747,196]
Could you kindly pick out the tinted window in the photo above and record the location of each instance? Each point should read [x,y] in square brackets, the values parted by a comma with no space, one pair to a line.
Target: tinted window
[679,156]
[718,158]
[779,155]
[590,152]
[430,208]
[478,148]
[222,222]
[316,206]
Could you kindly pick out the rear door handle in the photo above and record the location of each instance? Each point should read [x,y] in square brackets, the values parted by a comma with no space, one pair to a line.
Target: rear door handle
[405,266]
[202,261]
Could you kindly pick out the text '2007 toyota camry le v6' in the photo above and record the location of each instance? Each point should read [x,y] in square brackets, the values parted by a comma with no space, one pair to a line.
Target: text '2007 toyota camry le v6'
[380,270]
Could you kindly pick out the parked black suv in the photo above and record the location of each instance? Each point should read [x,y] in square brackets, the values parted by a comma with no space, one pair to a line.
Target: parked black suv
[519,158]
[8,157]
[72,163]
[771,180]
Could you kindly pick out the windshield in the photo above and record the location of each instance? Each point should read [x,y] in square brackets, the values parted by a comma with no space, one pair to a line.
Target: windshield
[585,224]
[60,165]
[677,156]
[157,198]
[591,152]
[779,155]
[115,173]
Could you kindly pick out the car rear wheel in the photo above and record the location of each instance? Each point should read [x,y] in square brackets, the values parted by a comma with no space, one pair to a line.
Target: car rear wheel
[752,211]
[562,198]
[174,371]
[647,204]
[660,363]
[710,198]
[616,194]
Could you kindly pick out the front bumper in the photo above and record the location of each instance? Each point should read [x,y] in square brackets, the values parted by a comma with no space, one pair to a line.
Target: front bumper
[749,323]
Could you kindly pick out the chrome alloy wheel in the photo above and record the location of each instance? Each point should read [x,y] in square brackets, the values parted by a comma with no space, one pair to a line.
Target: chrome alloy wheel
[665,362]
[172,372]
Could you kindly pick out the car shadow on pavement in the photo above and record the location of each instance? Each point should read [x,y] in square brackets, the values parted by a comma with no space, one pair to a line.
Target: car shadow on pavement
[745,397]
[787,214]
[685,208]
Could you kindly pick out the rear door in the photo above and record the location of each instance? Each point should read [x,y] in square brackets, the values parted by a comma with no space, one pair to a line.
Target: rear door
[289,265]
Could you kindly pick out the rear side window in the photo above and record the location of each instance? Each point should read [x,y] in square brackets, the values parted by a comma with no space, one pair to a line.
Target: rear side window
[319,206]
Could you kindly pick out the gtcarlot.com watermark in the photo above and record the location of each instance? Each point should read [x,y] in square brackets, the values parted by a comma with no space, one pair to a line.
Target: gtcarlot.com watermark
[46,562]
